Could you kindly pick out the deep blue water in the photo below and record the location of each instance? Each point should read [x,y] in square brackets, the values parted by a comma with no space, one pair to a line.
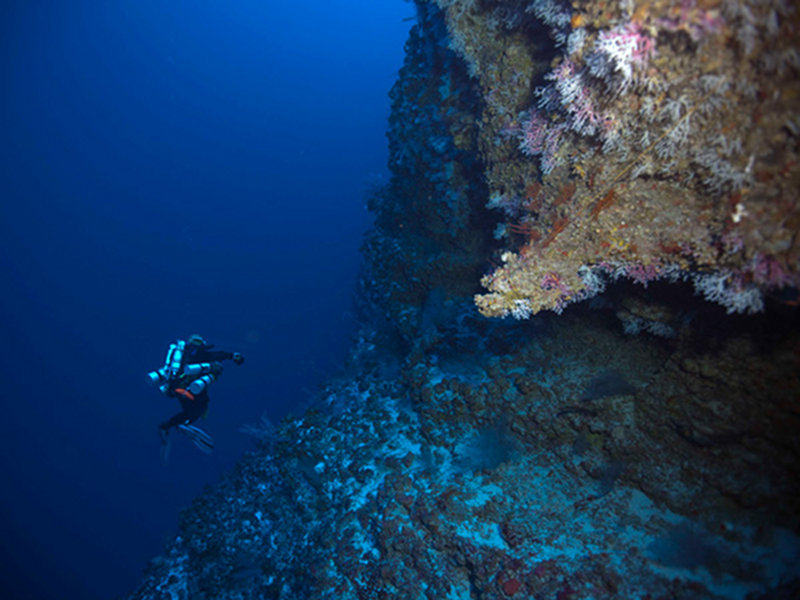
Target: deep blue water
[166,168]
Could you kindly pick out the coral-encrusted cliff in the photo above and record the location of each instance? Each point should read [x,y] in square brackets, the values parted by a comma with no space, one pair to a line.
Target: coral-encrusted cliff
[658,140]
[643,443]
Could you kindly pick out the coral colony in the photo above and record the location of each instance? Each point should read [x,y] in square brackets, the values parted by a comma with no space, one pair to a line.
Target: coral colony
[665,117]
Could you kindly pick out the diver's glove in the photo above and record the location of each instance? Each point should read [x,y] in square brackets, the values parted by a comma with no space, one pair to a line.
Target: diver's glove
[238,358]
[216,369]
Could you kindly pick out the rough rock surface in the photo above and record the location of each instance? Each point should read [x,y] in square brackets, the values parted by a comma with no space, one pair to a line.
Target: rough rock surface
[569,461]
[636,139]
[644,443]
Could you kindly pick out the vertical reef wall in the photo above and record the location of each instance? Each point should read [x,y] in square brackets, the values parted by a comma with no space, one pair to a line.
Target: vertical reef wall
[577,370]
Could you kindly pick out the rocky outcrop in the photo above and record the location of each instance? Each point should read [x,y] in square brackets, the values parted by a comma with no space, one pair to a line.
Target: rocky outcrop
[650,140]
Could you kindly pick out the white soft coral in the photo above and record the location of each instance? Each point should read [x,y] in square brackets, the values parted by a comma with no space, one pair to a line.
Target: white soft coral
[625,46]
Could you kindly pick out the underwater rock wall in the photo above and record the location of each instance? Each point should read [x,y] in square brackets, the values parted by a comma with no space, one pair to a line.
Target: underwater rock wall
[432,230]
[644,443]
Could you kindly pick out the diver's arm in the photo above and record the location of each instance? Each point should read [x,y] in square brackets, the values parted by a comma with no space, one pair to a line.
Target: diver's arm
[220,355]
[214,356]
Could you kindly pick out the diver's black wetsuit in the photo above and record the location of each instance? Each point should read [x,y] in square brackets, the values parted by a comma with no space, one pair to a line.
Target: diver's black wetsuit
[193,409]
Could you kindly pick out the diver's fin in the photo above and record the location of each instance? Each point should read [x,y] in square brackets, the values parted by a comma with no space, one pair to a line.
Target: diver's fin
[165,446]
[199,437]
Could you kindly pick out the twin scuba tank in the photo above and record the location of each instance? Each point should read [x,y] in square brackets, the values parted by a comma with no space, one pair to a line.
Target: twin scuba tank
[172,370]
[201,383]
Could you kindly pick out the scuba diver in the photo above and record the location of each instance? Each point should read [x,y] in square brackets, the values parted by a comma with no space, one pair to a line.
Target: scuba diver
[190,368]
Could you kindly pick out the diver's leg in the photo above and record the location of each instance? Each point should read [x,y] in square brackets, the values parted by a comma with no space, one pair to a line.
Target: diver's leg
[197,408]
[181,417]
[163,433]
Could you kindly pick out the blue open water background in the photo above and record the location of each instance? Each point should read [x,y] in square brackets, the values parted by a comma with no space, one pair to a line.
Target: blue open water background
[168,168]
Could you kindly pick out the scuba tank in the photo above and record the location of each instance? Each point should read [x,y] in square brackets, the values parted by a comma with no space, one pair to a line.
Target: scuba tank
[157,376]
[174,372]
[174,358]
[198,385]
[171,368]
[201,383]
[197,369]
